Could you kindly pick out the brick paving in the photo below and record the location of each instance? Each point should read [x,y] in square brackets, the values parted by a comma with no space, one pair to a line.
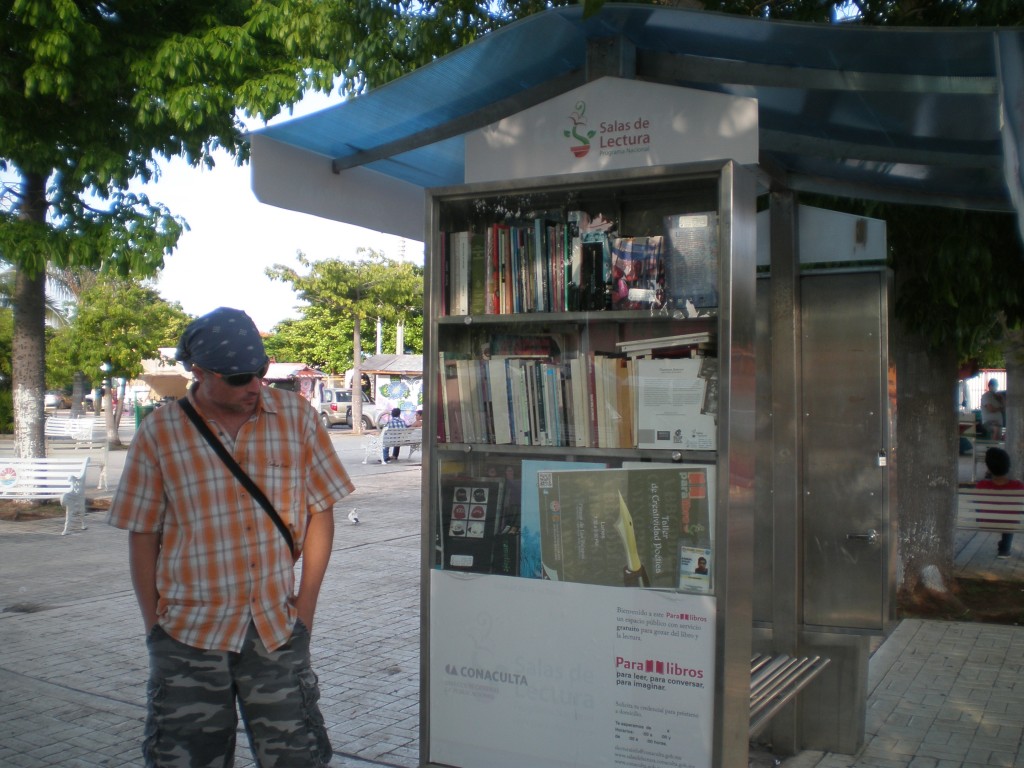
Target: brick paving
[73,662]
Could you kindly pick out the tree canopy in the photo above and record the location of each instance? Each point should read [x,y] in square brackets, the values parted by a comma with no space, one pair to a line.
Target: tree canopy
[356,292]
[118,321]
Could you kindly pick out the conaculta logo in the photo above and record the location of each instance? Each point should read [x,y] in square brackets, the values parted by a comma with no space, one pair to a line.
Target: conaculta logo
[578,132]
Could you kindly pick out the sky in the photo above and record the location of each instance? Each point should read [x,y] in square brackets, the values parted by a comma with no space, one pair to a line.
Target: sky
[233,238]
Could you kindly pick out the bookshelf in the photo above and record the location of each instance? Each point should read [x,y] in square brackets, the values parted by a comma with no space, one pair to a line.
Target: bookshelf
[589,377]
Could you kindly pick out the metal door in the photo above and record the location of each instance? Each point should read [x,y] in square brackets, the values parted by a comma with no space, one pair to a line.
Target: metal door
[847,431]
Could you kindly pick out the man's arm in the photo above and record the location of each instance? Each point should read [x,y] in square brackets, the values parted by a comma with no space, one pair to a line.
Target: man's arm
[316,553]
[143,549]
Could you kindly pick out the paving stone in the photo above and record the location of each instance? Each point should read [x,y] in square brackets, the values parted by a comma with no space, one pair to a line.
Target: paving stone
[73,668]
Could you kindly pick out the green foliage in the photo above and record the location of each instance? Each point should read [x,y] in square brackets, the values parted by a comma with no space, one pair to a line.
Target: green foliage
[958,270]
[6,411]
[337,293]
[319,339]
[119,321]
[371,288]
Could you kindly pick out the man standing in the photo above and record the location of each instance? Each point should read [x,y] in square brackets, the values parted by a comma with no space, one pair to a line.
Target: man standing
[213,574]
[993,405]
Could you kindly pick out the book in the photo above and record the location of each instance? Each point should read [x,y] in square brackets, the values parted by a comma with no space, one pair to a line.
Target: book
[498,382]
[541,266]
[626,402]
[478,273]
[468,401]
[581,401]
[621,527]
[505,558]
[451,401]
[518,396]
[576,222]
[691,262]
[592,284]
[504,249]
[600,401]
[469,522]
[530,526]
[460,273]
[677,403]
[638,280]
[649,346]
[692,577]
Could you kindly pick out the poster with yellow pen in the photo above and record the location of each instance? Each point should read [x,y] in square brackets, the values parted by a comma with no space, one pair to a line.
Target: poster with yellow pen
[622,527]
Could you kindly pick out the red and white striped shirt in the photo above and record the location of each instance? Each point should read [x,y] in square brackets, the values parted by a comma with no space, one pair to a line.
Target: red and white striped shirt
[222,560]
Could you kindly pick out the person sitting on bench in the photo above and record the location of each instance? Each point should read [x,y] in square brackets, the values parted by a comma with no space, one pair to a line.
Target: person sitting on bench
[394,422]
[998,478]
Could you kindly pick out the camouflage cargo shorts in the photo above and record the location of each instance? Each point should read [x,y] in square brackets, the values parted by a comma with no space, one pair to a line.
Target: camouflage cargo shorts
[191,718]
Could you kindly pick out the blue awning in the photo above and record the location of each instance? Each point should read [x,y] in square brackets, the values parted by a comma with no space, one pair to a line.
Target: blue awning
[918,115]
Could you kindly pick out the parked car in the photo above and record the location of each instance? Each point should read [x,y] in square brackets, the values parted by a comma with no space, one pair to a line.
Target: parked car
[336,408]
[56,399]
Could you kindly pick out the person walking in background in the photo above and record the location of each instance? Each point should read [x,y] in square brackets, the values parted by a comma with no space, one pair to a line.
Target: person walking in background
[993,406]
[395,421]
[998,478]
[214,570]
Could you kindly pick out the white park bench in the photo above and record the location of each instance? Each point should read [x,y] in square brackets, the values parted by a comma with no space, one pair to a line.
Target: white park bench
[990,510]
[73,438]
[388,438]
[44,480]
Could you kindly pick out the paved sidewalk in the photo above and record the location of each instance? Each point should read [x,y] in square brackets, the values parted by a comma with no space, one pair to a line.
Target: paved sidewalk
[73,662]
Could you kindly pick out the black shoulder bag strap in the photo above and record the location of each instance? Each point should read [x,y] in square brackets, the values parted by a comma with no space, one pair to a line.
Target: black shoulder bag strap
[237,471]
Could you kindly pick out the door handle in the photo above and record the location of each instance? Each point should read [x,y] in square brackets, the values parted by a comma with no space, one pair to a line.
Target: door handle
[871,535]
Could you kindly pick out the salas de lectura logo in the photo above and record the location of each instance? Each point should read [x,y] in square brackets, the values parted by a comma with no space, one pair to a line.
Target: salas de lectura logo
[578,132]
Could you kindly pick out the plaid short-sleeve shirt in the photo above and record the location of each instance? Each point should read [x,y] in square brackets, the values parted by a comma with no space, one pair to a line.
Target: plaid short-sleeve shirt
[222,561]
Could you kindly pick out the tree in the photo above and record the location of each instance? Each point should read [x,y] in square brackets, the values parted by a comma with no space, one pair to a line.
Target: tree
[319,339]
[364,290]
[119,323]
[94,94]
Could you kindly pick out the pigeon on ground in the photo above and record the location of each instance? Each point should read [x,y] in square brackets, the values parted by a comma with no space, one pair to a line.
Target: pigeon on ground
[353,517]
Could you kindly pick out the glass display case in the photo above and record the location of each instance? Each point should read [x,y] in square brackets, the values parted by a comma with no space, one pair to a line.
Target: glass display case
[588,469]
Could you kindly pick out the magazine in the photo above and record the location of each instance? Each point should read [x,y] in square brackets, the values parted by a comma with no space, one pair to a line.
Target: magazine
[621,527]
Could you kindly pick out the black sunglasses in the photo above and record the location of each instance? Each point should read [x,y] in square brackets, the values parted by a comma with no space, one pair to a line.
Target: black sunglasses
[241,379]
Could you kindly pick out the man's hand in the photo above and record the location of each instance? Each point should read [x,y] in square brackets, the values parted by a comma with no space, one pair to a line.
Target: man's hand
[316,553]
[143,549]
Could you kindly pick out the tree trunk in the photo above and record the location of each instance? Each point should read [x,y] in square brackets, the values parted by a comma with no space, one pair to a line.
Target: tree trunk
[108,416]
[1013,353]
[28,352]
[927,440]
[27,364]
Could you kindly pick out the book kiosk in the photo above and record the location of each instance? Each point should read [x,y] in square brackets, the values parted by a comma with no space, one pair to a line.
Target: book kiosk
[659,473]
[589,498]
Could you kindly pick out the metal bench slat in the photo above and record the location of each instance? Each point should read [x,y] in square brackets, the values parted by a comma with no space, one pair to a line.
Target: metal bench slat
[990,510]
[775,681]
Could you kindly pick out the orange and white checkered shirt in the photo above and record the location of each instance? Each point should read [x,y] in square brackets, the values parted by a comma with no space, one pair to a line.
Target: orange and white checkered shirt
[222,560]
